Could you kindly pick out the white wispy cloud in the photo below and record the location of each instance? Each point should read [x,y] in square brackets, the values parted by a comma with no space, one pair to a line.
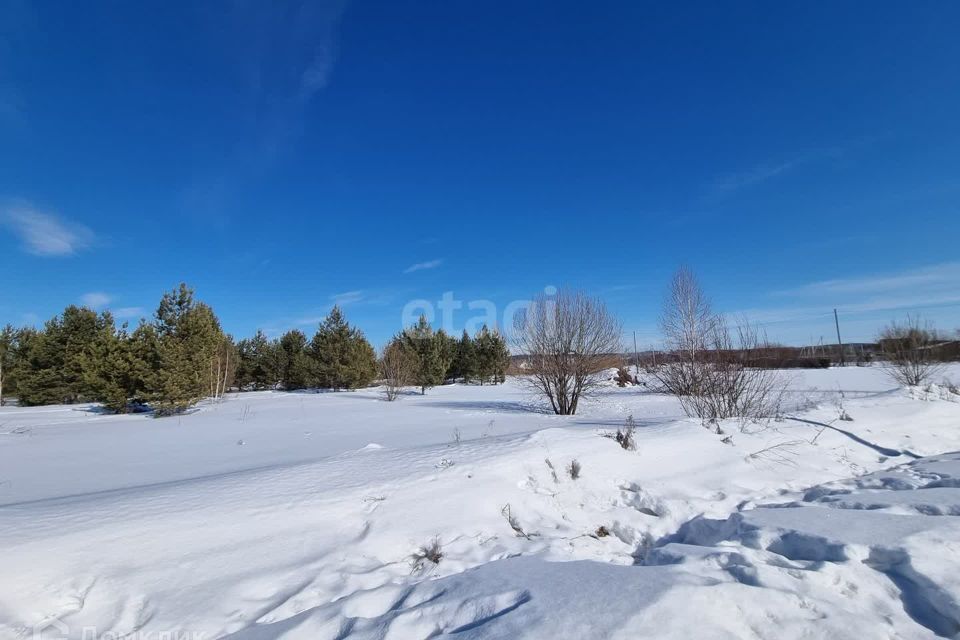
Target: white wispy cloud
[421,266]
[126,313]
[924,278]
[347,297]
[316,76]
[95,299]
[870,300]
[757,174]
[281,60]
[309,320]
[45,234]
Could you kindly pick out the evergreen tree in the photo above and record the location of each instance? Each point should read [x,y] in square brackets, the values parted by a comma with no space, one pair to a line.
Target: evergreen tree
[56,368]
[500,357]
[109,371]
[430,353]
[189,341]
[257,364]
[343,359]
[465,363]
[8,337]
[143,352]
[485,354]
[493,356]
[448,346]
[16,359]
[293,362]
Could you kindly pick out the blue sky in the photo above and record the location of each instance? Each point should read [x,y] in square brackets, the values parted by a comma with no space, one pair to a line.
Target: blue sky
[282,156]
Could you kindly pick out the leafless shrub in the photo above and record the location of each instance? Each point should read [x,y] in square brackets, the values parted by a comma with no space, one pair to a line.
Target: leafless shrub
[514,523]
[573,469]
[951,386]
[457,437]
[780,453]
[431,552]
[911,351]
[567,340]
[841,410]
[818,434]
[553,471]
[624,435]
[623,377]
[397,370]
[708,365]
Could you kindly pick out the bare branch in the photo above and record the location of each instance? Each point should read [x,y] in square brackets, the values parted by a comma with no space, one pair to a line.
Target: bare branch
[568,341]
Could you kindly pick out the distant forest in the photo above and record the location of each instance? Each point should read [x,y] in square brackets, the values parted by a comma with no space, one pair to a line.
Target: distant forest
[182,356]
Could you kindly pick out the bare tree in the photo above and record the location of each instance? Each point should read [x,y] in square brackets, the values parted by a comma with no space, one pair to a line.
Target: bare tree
[688,325]
[728,386]
[911,351]
[687,320]
[706,366]
[223,366]
[568,340]
[397,368]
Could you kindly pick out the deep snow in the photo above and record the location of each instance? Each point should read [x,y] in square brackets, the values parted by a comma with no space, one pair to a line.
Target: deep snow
[297,515]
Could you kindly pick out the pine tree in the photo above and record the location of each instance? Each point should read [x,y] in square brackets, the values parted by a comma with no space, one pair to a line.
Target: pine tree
[109,371]
[257,365]
[465,363]
[8,337]
[500,357]
[429,351]
[143,353]
[484,342]
[343,359]
[363,362]
[189,340]
[56,366]
[448,346]
[17,360]
[493,355]
[293,362]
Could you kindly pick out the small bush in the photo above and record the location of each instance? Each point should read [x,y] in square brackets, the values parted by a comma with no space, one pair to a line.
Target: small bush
[514,523]
[624,435]
[623,377]
[553,471]
[911,351]
[573,469]
[431,552]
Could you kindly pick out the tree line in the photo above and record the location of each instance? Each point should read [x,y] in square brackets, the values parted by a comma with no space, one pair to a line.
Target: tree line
[182,355]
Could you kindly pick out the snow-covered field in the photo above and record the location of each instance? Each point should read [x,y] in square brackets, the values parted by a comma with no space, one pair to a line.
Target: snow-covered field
[300,515]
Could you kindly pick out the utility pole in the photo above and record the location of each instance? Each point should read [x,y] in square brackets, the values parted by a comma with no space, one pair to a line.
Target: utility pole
[636,354]
[836,320]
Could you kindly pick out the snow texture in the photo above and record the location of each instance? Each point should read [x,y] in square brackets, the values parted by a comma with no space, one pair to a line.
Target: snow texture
[316,527]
